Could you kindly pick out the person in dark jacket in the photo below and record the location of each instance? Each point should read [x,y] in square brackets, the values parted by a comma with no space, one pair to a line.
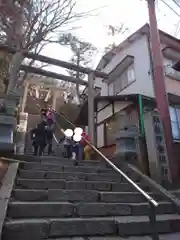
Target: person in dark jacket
[40,138]
[49,134]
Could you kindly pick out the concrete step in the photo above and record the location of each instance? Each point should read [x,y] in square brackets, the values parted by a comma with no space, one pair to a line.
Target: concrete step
[79,195]
[173,236]
[46,228]
[89,170]
[66,209]
[70,227]
[66,168]
[56,195]
[57,160]
[53,160]
[30,174]
[62,184]
[119,209]
[40,209]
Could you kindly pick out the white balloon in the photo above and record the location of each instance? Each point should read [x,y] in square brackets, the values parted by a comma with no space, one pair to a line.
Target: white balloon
[77,137]
[78,130]
[68,133]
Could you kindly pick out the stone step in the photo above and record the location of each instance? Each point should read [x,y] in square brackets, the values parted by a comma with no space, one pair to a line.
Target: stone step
[69,175]
[173,236]
[66,168]
[66,209]
[119,209]
[52,160]
[62,184]
[56,160]
[55,195]
[40,209]
[70,227]
[79,196]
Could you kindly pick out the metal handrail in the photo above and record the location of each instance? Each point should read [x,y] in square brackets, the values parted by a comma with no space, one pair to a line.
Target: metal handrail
[172,198]
[147,196]
[152,203]
[153,184]
[55,138]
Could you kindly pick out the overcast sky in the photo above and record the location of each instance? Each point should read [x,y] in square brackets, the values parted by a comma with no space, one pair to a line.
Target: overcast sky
[133,13]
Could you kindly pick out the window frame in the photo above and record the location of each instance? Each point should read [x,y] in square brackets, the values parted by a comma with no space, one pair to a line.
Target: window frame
[176,120]
[118,85]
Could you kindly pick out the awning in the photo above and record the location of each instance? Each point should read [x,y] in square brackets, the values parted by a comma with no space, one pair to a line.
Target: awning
[173,99]
[82,118]
[171,53]
[176,66]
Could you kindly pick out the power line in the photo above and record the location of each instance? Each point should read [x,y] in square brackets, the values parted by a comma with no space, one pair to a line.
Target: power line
[176,3]
[171,7]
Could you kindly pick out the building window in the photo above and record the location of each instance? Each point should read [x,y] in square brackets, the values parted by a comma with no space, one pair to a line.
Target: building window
[130,74]
[175,121]
[121,82]
[168,67]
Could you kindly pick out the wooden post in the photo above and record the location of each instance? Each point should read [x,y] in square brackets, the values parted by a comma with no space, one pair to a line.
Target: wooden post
[55,95]
[91,126]
[160,88]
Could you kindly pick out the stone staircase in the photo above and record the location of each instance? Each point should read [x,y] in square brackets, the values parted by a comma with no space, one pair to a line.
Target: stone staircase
[69,200]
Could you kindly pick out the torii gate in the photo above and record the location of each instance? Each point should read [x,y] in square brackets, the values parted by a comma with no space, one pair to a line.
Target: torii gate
[90,72]
[50,89]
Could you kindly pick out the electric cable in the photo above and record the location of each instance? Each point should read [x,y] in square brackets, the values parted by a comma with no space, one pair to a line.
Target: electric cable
[171,7]
[176,3]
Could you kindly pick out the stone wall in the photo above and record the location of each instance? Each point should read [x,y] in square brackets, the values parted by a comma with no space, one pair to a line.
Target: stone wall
[3,169]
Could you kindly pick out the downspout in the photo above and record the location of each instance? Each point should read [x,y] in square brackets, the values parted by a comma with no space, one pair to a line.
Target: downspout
[140,103]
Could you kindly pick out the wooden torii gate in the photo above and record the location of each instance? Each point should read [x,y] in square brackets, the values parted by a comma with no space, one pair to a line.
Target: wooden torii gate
[90,83]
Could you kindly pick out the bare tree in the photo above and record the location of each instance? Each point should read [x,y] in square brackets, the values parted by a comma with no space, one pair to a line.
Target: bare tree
[26,25]
[82,56]
[114,31]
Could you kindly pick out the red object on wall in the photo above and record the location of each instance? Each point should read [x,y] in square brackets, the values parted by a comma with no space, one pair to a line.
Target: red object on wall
[85,136]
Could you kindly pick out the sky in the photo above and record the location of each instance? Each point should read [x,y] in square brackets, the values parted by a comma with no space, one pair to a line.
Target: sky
[133,13]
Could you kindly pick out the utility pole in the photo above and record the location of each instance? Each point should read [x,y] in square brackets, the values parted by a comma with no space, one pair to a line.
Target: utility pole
[160,88]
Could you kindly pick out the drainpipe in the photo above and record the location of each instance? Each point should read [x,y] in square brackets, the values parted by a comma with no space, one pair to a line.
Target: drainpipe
[160,89]
[140,103]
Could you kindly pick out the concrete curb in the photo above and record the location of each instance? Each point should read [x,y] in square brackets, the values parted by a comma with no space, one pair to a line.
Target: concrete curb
[5,192]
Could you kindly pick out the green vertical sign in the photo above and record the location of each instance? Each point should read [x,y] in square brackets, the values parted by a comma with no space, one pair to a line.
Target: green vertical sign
[140,102]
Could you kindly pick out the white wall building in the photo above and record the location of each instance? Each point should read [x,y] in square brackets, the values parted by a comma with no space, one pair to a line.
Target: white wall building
[130,72]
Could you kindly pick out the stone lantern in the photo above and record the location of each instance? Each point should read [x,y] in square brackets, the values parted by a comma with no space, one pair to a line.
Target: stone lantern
[126,143]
